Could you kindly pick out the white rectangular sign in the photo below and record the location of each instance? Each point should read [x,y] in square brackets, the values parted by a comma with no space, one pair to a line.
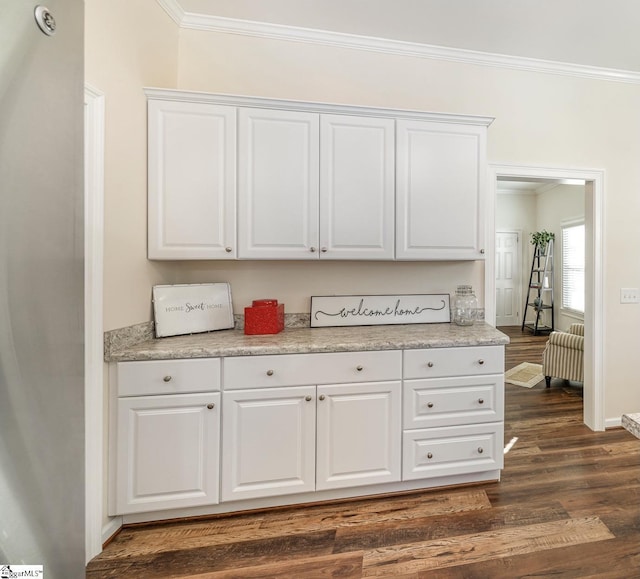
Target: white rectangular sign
[379,310]
[192,308]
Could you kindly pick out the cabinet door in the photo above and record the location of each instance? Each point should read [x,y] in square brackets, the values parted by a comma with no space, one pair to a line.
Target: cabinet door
[278,164]
[357,187]
[168,452]
[192,181]
[359,434]
[440,188]
[268,442]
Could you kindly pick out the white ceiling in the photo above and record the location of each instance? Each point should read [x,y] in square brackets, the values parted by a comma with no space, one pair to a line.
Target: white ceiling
[602,33]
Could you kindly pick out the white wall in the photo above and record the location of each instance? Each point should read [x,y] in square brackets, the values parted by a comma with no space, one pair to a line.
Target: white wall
[128,45]
[541,119]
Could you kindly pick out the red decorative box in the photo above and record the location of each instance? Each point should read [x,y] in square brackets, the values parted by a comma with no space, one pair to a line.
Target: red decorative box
[264,317]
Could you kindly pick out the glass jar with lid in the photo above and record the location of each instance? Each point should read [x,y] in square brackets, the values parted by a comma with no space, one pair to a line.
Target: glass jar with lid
[465,306]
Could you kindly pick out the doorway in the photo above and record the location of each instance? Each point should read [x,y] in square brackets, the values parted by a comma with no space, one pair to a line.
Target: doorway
[593,400]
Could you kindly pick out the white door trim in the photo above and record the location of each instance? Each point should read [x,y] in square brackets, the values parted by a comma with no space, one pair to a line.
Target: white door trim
[94,357]
[593,401]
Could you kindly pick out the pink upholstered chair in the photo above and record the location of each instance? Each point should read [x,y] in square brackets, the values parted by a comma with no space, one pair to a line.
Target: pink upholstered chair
[564,355]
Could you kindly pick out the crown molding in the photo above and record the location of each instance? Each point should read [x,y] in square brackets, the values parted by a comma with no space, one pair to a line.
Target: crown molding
[173,9]
[225,25]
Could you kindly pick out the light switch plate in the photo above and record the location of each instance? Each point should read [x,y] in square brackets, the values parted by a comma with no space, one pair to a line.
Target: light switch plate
[629,295]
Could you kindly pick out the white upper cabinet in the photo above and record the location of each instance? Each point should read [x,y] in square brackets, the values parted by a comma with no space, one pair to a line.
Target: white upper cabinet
[192,180]
[234,177]
[440,187]
[357,187]
[278,164]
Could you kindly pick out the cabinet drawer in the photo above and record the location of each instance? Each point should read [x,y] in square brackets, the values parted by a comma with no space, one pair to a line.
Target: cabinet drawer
[168,376]
[451,401]
[452,450]
[437,362]
[300,369]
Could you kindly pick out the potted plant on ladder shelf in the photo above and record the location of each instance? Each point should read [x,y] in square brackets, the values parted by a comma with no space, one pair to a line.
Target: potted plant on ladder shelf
[541,239]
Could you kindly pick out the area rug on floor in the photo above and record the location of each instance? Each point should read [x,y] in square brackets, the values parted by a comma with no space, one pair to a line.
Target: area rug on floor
[525,374]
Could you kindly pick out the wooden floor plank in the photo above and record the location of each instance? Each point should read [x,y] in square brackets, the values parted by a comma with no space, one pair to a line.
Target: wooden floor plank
[225,530]
[187,562]
[344,566]
[454,551]
[382,534]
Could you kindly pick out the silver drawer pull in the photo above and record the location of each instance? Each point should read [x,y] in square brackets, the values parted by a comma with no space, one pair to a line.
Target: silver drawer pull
[321,396]
[430,364]
[480,361]
[211,406]
[430,405]
[228,249]
[481,401]
[307,398]
[167,378]
[269,372]
[429,455]
[312,249]
[359,368]
[480,450]
[323,249]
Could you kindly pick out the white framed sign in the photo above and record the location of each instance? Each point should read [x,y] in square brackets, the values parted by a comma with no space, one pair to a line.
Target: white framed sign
[379,310]
[192,308]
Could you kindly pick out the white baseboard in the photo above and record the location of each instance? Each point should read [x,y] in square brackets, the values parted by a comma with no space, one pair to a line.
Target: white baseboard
[613,422]
[111,528]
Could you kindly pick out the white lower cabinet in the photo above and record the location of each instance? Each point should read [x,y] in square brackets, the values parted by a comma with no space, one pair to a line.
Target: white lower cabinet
[264,430]
[453,411]
[358,434]
[167,452]
[268,442]
[165,435]
[279,441]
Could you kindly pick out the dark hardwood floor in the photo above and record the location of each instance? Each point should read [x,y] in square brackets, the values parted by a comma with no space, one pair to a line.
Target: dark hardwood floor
[568,506]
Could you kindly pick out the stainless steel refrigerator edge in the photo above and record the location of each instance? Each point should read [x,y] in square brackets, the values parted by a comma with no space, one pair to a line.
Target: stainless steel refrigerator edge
[41,289]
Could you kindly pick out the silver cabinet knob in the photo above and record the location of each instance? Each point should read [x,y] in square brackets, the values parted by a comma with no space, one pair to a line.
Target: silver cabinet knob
[323,249]
[430,455]
[480,361]
[307,398]
[228,249]
[359,368]
[482,251]
[312,249]
[211,406]
[430,405]
[269,372]
[321,397]
[480,450]
[430,364]
[167,378]
[481,401]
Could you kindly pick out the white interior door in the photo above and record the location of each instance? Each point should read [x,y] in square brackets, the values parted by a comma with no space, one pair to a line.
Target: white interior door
[508,279]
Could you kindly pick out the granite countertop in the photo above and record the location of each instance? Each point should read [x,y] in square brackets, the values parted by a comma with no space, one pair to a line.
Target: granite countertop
[307,340]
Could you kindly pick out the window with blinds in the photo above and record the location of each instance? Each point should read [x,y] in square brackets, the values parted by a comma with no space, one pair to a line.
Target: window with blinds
[573,256]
